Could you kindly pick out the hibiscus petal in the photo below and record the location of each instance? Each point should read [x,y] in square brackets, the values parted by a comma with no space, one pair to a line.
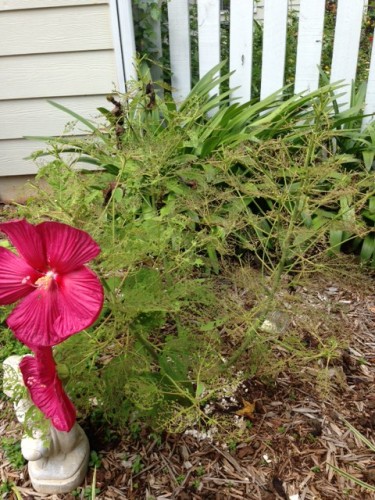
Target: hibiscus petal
[80,300]
[25,238]
[67,248]
[16,277]
[32,320]
[48,316]
[46,391]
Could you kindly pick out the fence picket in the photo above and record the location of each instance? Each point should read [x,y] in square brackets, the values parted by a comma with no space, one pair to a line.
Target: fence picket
[241,47]
[370,94]
[179,47]
[208,35]
[309,47]
[346,46]
[274,45]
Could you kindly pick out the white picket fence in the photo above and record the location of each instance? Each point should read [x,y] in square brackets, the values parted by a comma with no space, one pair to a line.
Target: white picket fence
[310,37]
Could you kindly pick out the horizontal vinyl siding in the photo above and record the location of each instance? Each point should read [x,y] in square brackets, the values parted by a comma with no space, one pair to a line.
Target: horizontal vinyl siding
[61,74]
[40,4]
[21,149]
[38,117]
[55,30]
[50,49]
[14,153]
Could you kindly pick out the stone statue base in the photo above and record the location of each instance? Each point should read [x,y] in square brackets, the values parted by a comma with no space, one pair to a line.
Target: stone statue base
[58,461]
[63,470]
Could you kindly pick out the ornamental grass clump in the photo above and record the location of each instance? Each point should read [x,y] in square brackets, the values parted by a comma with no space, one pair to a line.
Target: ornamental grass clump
[56,295]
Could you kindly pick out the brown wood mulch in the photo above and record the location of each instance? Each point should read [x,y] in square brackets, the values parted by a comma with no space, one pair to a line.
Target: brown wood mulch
[287,447]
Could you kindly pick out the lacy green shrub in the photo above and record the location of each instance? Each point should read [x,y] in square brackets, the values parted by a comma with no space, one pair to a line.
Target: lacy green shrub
[178,196]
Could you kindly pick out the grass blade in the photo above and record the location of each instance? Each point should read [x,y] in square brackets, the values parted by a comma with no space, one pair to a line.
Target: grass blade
[368,248]
[75,115]
[352,478]
[360,436]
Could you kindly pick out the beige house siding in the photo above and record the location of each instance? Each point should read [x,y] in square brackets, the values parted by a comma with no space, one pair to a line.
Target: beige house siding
[49,49]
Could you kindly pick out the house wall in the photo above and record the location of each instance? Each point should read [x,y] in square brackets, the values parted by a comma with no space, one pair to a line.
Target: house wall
[49,49]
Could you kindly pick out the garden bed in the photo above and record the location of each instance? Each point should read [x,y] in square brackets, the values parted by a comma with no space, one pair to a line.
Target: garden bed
[282,446]
[236,340]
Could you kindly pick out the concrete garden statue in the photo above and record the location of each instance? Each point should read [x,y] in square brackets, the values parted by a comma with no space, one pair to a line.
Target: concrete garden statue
[57,297]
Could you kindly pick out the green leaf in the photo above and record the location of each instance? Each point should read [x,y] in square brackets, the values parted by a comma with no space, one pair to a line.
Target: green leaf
[112,283]
[118,194]
[360,436]
[174,360]
[335,239]
[75,115]
[155,12]
[368,215]
[88,159]
[199,390]
[184,158]
[202,89]
[368,159]
[105,112]
[207,327]
[214,261]
[111,169]
[326,214]
[368,247]
[352,478]
[41,138]
[346,210]
[143,291]
[177,187]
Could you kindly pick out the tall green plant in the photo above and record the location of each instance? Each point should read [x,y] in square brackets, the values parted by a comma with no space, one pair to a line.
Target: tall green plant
[177,193]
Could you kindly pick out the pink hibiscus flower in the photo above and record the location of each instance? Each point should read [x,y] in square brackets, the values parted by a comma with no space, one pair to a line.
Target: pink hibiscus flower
[58,295]
[46,391]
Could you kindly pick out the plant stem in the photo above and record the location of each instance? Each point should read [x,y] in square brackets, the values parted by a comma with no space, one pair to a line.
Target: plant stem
[147,345]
